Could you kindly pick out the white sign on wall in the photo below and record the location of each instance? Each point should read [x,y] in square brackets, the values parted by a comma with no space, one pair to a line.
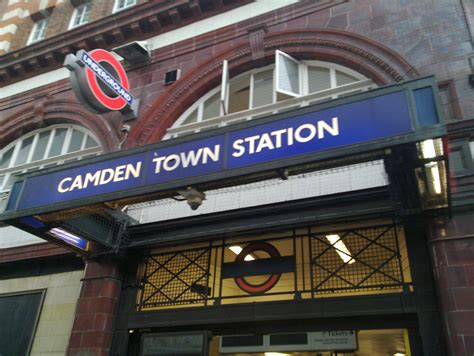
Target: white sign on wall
[341,340]
[333,340]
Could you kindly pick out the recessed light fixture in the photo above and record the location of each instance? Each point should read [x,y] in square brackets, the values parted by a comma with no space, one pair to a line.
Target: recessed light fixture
[275,354]
[68,237]
[341,249]
[428,150]
[237,249]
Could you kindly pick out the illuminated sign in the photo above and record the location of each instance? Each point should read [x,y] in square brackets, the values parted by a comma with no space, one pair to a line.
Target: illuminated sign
[273,266]
[100,82]
[382,118]
[68,237]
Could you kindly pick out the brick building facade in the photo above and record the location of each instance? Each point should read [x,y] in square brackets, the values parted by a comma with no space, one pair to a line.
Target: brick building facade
[381,41]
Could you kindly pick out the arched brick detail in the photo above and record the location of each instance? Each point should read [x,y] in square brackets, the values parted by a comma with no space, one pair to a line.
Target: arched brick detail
[51,112]
[362,54]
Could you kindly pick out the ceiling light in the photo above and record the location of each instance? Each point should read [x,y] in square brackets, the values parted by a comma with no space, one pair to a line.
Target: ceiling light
[68,237]
[341,249]
[399,354]
[436,178]
[237,250]
[275,354]
[428,149]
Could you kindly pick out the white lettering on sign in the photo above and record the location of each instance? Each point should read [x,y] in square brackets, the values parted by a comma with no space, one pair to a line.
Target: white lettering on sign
[101,177]
[276,139]
[106,77]
[185,159]
[255,144]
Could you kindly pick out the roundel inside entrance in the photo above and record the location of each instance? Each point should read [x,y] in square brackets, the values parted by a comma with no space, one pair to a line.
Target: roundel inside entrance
[272,279]
[106,97]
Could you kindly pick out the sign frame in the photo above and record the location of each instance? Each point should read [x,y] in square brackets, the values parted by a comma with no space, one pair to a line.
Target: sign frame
[419,132]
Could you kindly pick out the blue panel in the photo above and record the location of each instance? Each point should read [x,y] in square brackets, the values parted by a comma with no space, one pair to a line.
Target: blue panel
[82,182]
[362,121]
[377,118]
[190,159]
[32,222]
[425,107]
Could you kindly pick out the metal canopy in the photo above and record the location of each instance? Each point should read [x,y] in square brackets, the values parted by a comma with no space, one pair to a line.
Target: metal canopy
[82,196]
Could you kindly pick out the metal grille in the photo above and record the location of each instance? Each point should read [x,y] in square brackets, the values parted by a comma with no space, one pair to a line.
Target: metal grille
[176,278]
[373,263]
[306,265]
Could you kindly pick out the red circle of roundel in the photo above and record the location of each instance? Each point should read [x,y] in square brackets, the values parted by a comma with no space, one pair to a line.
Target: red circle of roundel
[117,103]
[270,282]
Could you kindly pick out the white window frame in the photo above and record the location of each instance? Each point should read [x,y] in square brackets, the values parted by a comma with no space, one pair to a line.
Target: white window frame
[126,5]
[28,166]
[40,28]
[306,98]
[279,57]
[80,11]
[224,100]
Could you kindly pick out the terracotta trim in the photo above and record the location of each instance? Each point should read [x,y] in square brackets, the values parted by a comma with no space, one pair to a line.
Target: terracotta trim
[44,249]
[369,57]
[47,111]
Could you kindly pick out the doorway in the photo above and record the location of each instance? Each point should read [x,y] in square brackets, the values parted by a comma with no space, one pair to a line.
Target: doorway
[381,342]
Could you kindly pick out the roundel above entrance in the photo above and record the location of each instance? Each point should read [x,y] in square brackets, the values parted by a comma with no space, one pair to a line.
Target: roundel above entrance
[100,82]
[270,282]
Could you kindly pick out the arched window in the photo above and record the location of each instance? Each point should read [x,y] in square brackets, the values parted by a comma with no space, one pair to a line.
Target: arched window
[254,94]
[42,149]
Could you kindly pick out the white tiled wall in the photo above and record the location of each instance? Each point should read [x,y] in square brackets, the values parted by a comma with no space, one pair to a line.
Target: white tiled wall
[330,181]
[57,314]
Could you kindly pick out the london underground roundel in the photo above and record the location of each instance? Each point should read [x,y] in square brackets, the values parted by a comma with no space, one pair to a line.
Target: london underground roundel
[270,282]
[100,82]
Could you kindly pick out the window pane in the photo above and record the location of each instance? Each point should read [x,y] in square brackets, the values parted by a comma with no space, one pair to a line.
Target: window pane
[343,78]
[76,141]
[318,79]
[288,76]
[24,151]
[19,312]
[239,100]
[39,30]
[239,94]
[40,148]
[90,142]
[58,142]
[456,163]
[212,106]
[82,14]
[263,88]
[6,157]
[191,118]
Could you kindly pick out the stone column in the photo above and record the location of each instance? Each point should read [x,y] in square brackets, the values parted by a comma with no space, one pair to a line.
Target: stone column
[452,249]
[96,309]
[428,314]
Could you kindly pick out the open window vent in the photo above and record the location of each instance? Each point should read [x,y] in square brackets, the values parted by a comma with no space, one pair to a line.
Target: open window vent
[172,76]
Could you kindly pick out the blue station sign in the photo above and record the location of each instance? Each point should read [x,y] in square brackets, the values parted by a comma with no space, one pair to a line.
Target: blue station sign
[380,118]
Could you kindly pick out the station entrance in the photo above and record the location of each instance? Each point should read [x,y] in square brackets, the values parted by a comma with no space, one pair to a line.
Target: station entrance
[327,343]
